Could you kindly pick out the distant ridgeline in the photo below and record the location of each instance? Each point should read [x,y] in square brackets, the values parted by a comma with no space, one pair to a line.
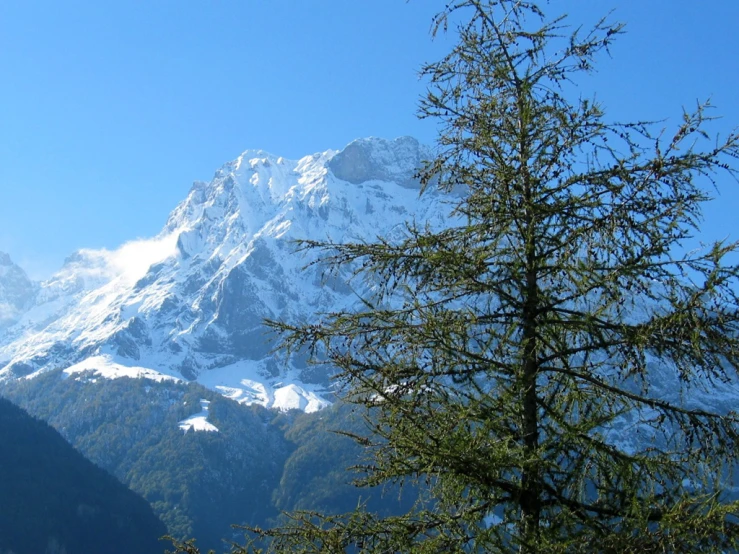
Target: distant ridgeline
[54,500]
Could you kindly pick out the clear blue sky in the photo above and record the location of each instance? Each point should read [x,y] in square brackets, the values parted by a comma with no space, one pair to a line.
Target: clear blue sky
[109,110]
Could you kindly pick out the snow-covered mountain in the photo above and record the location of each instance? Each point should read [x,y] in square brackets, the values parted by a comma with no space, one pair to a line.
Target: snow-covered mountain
[190,302]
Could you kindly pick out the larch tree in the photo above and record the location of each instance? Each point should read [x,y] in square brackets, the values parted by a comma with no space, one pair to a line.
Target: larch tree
[516,362]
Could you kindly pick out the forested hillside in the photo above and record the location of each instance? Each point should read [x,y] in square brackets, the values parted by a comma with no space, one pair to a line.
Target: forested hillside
[258,463]
[57,501]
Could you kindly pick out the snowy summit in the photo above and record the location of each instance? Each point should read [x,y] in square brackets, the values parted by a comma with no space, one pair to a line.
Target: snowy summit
[189,303]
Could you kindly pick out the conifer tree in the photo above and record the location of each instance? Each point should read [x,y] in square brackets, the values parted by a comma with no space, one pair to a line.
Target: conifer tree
[520,361]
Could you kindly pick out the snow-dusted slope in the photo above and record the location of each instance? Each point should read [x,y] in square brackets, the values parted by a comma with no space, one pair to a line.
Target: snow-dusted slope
[189,303]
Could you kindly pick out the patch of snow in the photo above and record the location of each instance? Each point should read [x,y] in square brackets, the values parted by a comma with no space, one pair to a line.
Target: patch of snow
[199,422]
[247,383]
[105,367]
[294,397]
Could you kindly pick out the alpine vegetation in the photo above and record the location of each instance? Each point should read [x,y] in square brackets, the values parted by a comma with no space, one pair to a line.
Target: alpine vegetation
[509,361]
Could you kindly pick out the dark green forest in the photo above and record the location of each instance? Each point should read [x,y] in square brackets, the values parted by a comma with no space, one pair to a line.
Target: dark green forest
[57,501]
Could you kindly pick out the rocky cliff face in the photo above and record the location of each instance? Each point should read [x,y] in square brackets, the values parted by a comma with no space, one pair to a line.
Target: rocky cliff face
[372,160]
[17,291]
[190,302]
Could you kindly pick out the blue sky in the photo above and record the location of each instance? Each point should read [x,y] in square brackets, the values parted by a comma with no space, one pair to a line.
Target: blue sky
[109,110]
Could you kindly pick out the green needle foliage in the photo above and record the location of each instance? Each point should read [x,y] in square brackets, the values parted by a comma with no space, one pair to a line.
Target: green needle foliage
[516,362]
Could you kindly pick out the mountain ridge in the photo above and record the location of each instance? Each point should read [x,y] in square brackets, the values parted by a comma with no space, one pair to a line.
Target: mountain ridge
[189,303]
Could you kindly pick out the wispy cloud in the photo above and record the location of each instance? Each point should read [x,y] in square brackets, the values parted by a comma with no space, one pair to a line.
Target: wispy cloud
[134,258]
[130,261]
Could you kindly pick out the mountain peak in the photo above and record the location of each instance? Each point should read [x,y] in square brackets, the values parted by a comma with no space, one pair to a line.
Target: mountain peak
[251,158]
[191,302]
